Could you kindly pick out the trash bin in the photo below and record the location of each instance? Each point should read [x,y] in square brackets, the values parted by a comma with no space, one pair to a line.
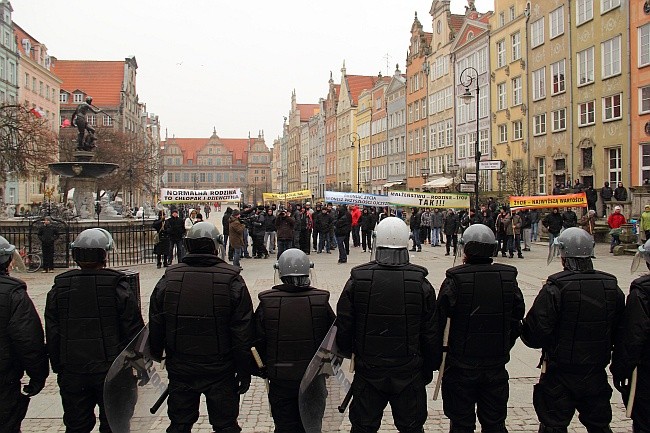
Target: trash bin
[133,278]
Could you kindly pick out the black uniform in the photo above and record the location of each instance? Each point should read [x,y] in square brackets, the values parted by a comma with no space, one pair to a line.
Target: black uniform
[485,307]
[574,319]
[201,315]
[291,322]
[632,350]
[90,317]
[48,234]
[22,350]
[386,317]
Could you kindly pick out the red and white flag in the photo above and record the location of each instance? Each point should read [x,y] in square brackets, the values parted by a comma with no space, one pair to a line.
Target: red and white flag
[36,113]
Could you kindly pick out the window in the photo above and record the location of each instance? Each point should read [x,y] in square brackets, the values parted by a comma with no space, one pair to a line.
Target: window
[512,13]
[471,144]
[537,33]
[645,162]
[539,124]
[611,107]
[644,100]
[462,140]
[516,91]
[559,120]
[517,130]
[587,113]
[539,84]
[450,133]
[63,98]
[502,19]
[584,11]
[541,175]
[91,119]
[608,5]
[501,53]
[587,157]
[556,22]
[108,120]
[611,52]
[586,66]
[484,142]
[557,74]
[78,97]
[503,133]
[516,46]
[644,45]
[615,168]
[501,96]
[26,80]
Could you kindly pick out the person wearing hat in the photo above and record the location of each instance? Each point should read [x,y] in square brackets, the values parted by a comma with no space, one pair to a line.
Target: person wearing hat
[574,320]
[632,346]
[291,315]
[48,234]
[22,345]
[91,315]
[645,222]
[236,229]
[615,221]
[176,230]
[483,305]
[553,223]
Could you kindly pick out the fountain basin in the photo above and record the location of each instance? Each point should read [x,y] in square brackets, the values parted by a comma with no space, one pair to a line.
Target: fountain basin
[83,169]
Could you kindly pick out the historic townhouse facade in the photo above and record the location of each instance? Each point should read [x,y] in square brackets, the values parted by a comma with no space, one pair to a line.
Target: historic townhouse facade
[331,138]
[417,169]
[362,147]
[299,115]
[396,132]
[8,56]
[509,94]
[378,135]
[471,48]
[316,157]
[640,91]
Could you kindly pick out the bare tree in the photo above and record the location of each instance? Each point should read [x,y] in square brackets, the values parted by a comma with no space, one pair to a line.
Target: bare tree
[27,142]
[516,179]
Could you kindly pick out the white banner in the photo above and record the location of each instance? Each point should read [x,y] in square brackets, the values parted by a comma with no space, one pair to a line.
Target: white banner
[356,198]
[172,195]
[428,199]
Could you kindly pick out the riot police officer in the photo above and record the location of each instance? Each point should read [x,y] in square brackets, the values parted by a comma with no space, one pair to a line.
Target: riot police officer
[293,314]
[386,318]
[201,316]
[483,306]
[22,346]
[90,317]
[632,346]
[574,320]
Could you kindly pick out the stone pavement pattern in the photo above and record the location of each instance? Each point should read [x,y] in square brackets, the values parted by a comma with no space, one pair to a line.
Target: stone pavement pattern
[45,413]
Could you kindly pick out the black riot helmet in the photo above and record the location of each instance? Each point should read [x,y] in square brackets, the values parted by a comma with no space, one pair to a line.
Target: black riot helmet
[91,246]
[478,241]
[203,238]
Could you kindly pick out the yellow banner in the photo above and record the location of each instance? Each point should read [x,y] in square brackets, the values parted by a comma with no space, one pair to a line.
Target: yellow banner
[295,195]
[548,201]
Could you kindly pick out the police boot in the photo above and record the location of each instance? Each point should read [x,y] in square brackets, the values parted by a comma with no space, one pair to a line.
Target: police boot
[546,429]
[496,428]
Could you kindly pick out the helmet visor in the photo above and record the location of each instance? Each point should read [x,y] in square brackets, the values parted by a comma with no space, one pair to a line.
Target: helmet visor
[553,251]
[17,262]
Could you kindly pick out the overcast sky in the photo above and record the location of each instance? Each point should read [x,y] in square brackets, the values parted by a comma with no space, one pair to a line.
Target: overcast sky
[230,64]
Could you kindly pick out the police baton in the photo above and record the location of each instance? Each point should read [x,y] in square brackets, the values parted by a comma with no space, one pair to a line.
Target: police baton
[441,370]
[630,400]
[160,401]
[260,365]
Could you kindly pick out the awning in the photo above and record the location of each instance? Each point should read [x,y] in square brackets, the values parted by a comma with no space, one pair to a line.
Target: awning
[389,184]
[441,182]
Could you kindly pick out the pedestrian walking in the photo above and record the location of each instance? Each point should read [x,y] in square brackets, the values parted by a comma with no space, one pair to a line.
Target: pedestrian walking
[425,227]
[87,329]
[574,320]
[343,227]
[514,235]
[236,229]
[22,346]
[225,230]
[201,318]
[304,310]
[367,224]
[414,224]
[316,229]
[207,209]
[48,234]
[175,228]
[450,229]
[386,319]
[483,306]
[553,223]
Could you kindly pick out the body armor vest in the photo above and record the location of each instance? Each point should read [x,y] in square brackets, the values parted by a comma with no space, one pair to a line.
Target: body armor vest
[86,302]
[587,314]
[388,305]
[295,324]
[7,355]
[197,308]
[479,335]
[643,284]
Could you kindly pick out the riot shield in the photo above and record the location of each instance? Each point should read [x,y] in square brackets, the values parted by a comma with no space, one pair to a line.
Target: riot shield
[133,386]
[324,388]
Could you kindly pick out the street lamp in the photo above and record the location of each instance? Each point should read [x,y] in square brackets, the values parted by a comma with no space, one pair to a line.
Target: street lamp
[466,80]
[354,137]
[426,70]
[424,172]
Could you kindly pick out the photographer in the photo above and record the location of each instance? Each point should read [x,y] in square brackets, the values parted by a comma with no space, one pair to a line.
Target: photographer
[257,233]
[284,224]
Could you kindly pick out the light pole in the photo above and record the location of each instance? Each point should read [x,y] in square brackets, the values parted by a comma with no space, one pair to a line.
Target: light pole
[466,80]
[425,69]
[354,137]
[425,175]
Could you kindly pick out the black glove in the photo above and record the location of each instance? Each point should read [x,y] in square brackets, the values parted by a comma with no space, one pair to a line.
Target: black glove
[243,382]
[33,388]
[262,372]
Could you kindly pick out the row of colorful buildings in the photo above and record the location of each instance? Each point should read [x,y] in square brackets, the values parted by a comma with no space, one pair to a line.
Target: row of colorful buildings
[560,91]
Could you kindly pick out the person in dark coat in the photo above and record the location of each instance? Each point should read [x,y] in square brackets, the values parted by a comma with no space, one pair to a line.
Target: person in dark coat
[269,231]
[342,229]
[162,246]
[225,225]
[284,224]
[48,234]
[201,318]
[620,193]
[450,229]
[83,339]
[483,306]
[592,197]
[175,228]
[569,218]
[258,232]
[367,224]
[574,320]
[22,346]
[414,224]
[553,223]
[534,224]
[386,317]
[324,222]
[503,223]
[632,346]
[236,238]
[297,306]
[316,230]
[606,194]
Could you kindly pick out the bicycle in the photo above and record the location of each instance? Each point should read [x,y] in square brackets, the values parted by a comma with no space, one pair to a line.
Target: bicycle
[32,261]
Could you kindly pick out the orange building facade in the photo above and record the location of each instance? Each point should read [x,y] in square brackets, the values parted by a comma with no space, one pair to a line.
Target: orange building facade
[640,92]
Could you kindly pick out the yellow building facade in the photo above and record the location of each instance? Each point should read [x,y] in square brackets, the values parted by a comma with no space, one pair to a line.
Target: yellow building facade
[363,129]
